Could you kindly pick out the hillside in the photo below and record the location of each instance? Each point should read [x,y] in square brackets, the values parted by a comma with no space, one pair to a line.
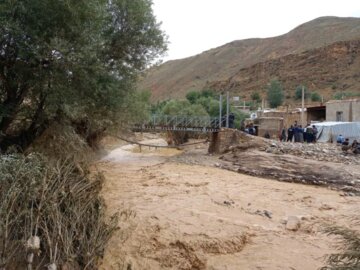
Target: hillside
[326,70]
[290,57]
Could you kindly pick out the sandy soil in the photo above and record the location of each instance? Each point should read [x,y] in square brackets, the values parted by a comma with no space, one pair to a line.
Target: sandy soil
[185,216]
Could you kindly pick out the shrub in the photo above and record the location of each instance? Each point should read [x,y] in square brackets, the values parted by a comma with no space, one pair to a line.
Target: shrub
[349,249]
[51,213]
[256,97]
[315,96]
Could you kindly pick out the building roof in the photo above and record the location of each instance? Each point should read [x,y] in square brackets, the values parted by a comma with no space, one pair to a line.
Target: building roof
[316,108]
[343,100]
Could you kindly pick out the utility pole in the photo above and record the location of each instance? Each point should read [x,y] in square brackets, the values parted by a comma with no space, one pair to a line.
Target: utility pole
[302,106]
[220,110]
[227,109]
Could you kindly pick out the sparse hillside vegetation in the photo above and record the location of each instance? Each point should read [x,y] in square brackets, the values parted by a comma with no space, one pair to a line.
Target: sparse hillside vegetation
[322,54]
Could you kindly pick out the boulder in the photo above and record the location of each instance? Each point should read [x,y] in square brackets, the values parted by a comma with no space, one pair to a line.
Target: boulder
[292,223]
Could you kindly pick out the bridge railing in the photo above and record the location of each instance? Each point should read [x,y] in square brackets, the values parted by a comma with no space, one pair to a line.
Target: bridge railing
[182,122]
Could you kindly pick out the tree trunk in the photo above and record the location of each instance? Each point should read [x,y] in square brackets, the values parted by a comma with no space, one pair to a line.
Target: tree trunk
[13,103]
[27,137]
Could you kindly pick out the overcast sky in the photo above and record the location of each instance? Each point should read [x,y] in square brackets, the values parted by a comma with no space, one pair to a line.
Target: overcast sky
[194,26]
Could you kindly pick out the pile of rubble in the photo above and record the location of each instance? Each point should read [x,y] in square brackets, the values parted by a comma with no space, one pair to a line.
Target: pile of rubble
[317,151]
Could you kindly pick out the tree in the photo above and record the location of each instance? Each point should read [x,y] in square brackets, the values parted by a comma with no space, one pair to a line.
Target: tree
[183,108]
[256,97]
[275,94]
[192,96]
[208,93]
[315,96]
[70,60]
[298,92]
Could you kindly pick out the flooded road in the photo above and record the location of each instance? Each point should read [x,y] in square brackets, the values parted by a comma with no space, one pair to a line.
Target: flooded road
[185,216]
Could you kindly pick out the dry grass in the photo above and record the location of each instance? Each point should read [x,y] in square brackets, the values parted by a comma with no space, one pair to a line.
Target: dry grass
[51,214]
[348,244]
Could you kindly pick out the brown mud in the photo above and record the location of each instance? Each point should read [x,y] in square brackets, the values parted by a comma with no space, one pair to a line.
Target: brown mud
[182,210]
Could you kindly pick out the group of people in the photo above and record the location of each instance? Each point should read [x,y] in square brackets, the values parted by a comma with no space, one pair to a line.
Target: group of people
[299,134]
[346,146]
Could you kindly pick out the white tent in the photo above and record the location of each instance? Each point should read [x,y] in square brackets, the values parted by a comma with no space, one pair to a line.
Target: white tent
[328,131]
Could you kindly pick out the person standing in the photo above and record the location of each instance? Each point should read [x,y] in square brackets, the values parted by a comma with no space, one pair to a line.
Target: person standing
[296,133]
[283,135]
[290,133]
[315,132]
[301,134]
[309,134]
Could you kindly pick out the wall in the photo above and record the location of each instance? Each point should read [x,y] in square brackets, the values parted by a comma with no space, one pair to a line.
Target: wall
[288,117]
[350,109]
[273,125]
[226,138]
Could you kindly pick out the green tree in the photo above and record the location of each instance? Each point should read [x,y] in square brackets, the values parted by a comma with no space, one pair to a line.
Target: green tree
[208,93]
[275,94]
[256,97]
[183,108]
[69,60]
[298,92]
[315,96]
[192,96]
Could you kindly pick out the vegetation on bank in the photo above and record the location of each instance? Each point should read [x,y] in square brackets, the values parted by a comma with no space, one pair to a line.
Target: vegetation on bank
[51,214]
[198,103]
[72,62]
[348,244]
[68,72]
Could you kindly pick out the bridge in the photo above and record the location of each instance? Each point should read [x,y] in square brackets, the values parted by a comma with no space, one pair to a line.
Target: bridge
[180,123]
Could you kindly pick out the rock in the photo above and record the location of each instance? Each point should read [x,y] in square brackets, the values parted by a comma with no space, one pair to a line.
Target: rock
[267,213]
[51,266]
[293,223]
[229,203]
[33,243]
[326,207]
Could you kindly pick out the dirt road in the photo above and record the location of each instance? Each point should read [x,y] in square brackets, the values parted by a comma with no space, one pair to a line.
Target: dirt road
[184,216]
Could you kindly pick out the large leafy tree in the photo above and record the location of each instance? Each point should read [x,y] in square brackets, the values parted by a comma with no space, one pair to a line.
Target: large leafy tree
[74,61]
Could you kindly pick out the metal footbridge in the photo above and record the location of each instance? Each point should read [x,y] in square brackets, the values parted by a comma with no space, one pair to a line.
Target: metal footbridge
[180,123]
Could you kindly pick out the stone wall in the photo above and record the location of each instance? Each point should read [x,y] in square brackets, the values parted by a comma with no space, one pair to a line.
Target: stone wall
[227,139]
[273,125]
[288,117]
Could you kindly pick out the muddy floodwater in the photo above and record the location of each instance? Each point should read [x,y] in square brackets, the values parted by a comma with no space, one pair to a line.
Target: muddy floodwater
[177,214]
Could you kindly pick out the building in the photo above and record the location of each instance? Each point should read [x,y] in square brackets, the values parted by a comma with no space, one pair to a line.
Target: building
[315,114]
[343,110]
[272,125]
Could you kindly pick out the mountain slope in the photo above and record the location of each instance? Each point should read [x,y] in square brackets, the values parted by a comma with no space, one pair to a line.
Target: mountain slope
[175,78]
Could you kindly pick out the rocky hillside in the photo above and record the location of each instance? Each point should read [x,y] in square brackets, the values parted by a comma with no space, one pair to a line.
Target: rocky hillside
[322,54]
[326,70]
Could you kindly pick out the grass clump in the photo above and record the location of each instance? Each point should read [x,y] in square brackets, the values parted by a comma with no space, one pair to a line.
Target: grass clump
[51,214]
